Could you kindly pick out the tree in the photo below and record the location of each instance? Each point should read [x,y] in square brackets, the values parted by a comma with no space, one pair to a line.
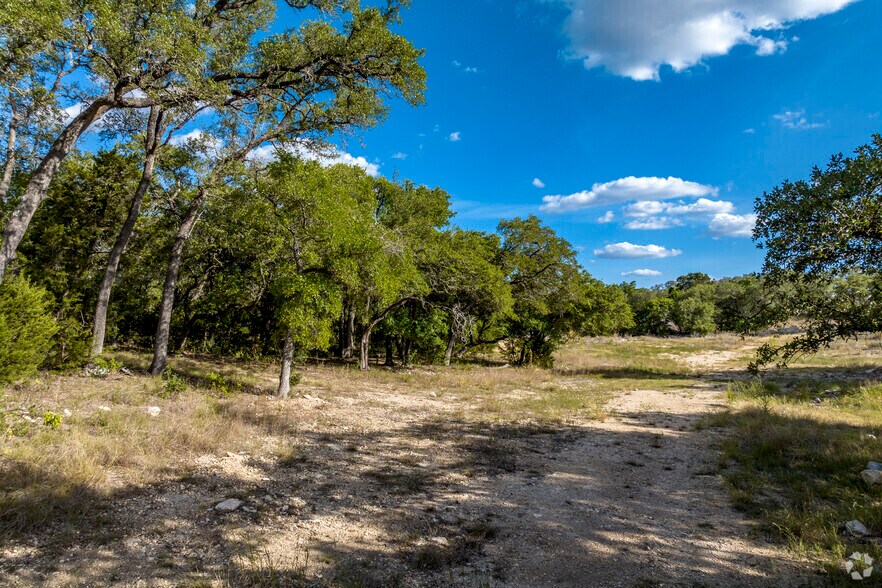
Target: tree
[653,317]
[603,310]
[693,309]
[819,234]
[545,281]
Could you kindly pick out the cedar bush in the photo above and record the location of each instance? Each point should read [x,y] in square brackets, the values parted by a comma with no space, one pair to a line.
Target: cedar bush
[26,329]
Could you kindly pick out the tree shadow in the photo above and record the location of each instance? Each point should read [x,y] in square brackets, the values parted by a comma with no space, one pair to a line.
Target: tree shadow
[425,502]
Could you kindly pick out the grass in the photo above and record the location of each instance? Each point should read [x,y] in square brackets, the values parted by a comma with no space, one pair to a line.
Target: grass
[793,462]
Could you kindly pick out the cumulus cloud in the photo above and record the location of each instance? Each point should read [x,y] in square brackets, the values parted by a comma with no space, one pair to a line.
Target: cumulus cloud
[538,183]
[797,120]
[732,225]
[635,38]
[627,250]
[654,223]
[644,273]
[197,136]
[609,217]
[626,190]
[326,157]
[455,136]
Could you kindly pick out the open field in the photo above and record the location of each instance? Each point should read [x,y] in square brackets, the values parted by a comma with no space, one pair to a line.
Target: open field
[634,462]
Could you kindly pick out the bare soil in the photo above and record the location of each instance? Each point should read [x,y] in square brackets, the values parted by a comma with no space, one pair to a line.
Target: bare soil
[393,486]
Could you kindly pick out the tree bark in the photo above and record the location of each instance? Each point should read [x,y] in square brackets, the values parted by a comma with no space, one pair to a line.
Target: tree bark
[9,164]
[99,325]
[363,358]
[287,360]
[36,189]
[160,346]
[349,333]
[390,359]
[451,343]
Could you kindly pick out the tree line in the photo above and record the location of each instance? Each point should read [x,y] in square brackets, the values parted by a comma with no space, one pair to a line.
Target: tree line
[239,239]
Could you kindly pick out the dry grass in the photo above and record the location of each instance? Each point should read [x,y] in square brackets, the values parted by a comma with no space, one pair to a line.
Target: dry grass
[794,458]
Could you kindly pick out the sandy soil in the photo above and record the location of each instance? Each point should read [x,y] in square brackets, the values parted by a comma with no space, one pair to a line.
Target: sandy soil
[391,487]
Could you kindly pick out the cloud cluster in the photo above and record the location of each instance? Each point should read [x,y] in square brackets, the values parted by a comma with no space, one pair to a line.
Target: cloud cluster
[635,38]
[627,250]
[626,190]
[797,120]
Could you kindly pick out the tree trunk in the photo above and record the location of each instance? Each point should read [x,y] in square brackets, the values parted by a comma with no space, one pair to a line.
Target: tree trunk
[363,358]
[349,334]
[287,360]
[390,360]
[451,342]
[160,348]
[9,164]
[36,189]
[99,325]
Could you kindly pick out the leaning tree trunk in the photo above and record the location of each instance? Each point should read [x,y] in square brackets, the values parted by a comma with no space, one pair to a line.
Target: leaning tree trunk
[160,345]
[287,360]
[36,189]
[99,325]
[9,164]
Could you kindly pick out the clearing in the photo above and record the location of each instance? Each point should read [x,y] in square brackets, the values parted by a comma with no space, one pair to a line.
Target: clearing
[621,467]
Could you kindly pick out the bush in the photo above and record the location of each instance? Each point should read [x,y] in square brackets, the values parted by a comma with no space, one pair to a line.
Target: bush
[26,329]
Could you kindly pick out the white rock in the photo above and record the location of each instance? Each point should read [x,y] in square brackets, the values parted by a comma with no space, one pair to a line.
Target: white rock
[440,540]
[228,505]
[153,410]
[857,528]
[66,412]
[104,409]
[872,476]
[874,465]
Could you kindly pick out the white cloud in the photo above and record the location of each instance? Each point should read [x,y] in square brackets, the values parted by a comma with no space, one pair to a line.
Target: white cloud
[627,250]
[399,155]
[750,131]
[701,207]
[455,136]
[654,223]
[625,190]
[732,225]
[635,38]
[538,183]
[326,157]
[471,70]
[796,119]
[71,112]
[643,273]
[609,217]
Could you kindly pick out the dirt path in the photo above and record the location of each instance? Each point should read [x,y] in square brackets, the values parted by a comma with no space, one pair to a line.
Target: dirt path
[637,500]
[392,487]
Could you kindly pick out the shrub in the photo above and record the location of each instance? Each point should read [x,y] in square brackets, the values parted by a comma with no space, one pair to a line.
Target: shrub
[52,420]
[26,329]
[174,384]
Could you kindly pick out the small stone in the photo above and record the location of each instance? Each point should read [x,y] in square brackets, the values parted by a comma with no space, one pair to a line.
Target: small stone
[440,541]
[857,528]
[104,409]
[872,476]
[449,518]
[874,465]
[66,412]
[249,509]
[153,410]
[228,505]
[126,371]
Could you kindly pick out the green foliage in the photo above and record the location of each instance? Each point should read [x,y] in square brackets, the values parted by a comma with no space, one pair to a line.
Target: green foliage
[173,384]
[653,316]
[693,309]
[823,242]
[52,420]
[26,329]
[603,310]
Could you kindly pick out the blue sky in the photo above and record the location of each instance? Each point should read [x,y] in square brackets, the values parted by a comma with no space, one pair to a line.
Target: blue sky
[643,113]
